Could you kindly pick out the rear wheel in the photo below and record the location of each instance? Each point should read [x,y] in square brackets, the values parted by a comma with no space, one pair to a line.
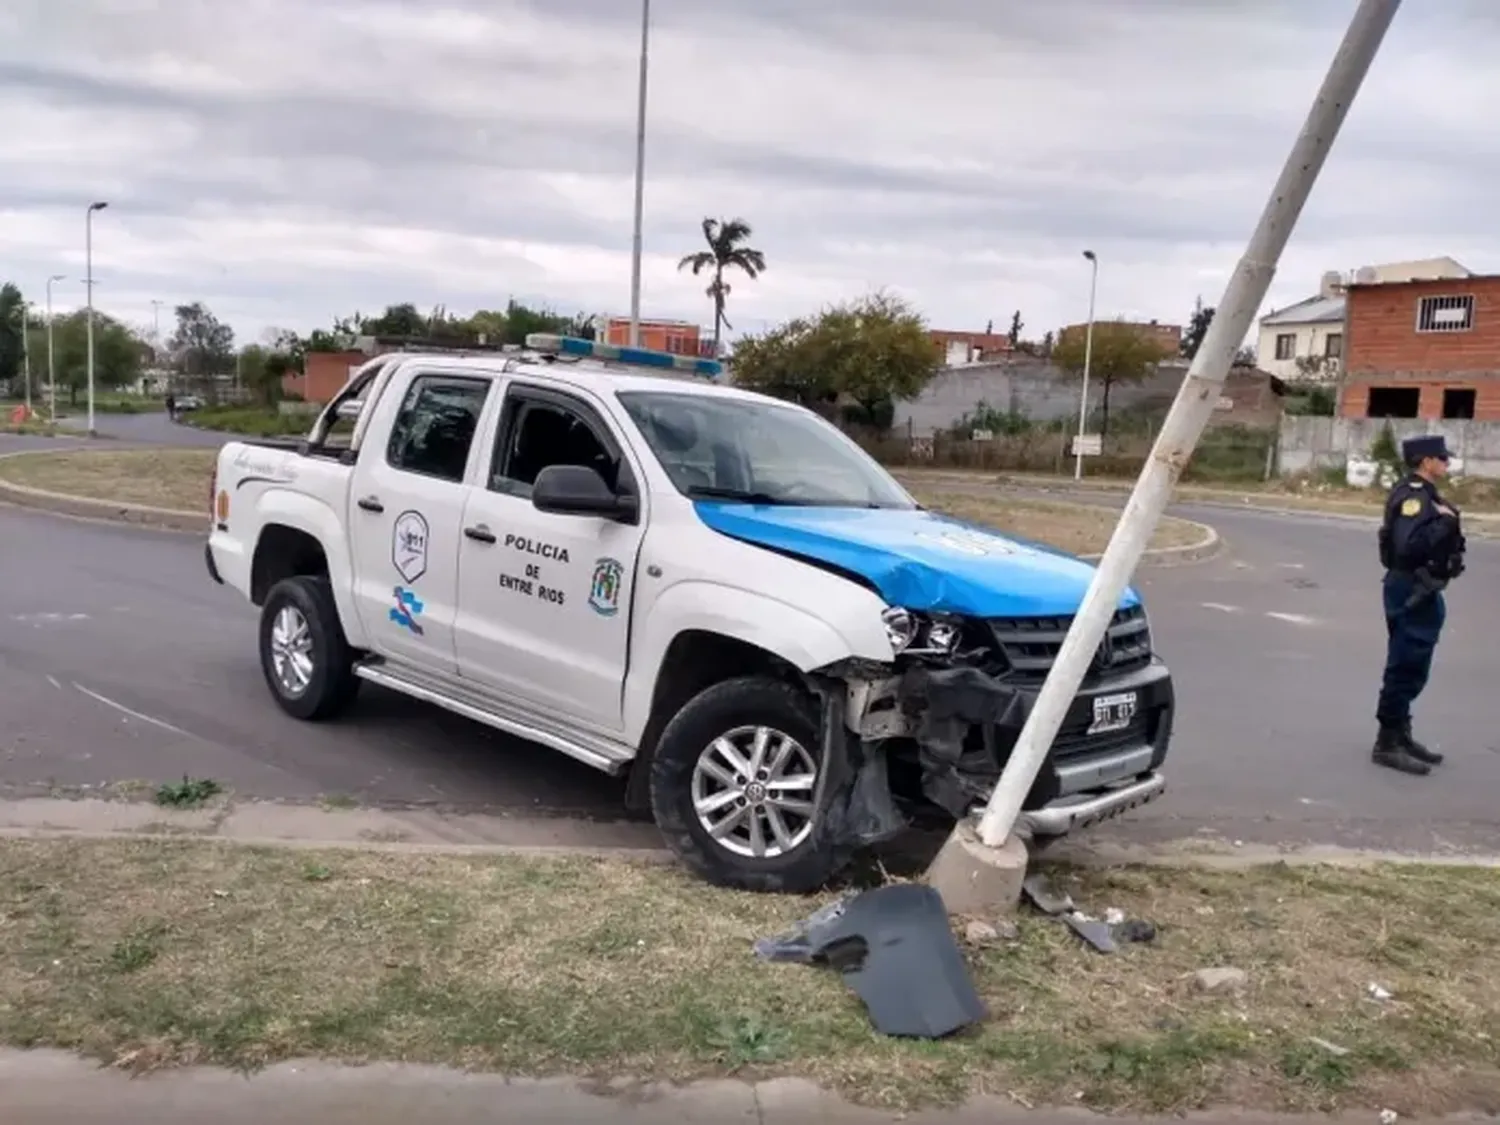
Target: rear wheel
[304,654]
[734,785]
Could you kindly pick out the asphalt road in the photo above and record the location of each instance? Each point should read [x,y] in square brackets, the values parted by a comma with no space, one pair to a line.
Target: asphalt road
[120,659]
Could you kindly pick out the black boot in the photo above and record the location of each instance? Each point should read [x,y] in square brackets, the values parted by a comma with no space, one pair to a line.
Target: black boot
[1415,749]
[1390,751]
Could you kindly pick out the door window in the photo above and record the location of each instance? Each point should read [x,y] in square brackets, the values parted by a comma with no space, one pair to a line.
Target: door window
[436,425]
[539,431]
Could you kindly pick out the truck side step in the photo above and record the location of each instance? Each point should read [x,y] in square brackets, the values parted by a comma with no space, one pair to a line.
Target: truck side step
[605,756]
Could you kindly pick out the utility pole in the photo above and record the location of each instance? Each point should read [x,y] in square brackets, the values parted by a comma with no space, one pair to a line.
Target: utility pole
[88,284]
[1088,358]
[640,179]
[1190,412]
[51,354]
[26,352]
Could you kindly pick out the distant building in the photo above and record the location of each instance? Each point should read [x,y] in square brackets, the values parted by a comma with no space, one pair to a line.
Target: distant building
[960,348]
[1428,349]
[680,337]
[1306,341]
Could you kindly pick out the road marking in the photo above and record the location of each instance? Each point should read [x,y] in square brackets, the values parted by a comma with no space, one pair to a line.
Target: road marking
[53,680]
[1221,607]
[127,711]
[48,618]
[1292,618]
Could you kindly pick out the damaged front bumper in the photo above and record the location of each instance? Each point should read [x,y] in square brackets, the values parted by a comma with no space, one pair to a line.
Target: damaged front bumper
[958,725]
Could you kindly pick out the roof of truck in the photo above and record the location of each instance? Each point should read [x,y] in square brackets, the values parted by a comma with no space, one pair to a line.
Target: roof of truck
[594,374]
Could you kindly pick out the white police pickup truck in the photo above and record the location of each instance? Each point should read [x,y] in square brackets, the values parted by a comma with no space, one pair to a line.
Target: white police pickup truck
[711,592]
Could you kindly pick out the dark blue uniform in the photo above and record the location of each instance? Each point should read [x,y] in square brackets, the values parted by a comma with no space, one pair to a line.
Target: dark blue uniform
[1422,548]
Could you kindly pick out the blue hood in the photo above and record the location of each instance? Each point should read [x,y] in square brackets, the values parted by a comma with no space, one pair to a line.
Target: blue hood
[918,559]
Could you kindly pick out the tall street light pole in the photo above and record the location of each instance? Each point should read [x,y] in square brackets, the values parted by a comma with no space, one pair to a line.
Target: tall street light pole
[88,284]
[51,354]
[26,352]
[156,331]
[1088,358]
[640,179]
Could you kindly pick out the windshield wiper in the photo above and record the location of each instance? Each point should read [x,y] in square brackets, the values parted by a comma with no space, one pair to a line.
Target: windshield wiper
[744,496]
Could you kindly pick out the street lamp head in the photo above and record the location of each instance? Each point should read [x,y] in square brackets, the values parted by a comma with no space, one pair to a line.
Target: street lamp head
[1089,254]
[58,277]
[99,206]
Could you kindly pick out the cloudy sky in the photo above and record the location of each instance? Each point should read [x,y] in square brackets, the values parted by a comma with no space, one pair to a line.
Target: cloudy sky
[288,161]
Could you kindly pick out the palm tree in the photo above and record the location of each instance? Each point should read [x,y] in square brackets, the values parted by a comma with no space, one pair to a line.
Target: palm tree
[725,249]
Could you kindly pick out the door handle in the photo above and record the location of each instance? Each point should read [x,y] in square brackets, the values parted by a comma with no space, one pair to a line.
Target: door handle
[371,504]
[480,534]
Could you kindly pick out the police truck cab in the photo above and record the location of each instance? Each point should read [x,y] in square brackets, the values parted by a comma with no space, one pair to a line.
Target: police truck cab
[712,593]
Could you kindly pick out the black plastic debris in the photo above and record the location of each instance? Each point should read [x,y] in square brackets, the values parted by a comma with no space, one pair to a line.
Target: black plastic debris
[895,949]
[1040,893]
[1096,933]
[1135,931]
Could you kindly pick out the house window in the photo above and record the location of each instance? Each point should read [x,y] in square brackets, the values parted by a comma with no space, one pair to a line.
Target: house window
[1458,402]
[1286,345]
[1445,314]
[1394,402]
[1333,345]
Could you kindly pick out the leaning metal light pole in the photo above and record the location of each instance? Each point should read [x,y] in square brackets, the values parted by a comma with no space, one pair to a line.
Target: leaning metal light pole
[1190,411]
[51,354]
[88,284]
[1088,358]
[640,179]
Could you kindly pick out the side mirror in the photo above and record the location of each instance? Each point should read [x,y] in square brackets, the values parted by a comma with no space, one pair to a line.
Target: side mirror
[576,490]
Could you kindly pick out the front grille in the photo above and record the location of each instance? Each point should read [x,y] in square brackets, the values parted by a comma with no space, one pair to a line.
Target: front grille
[1031,644]
[1074,739]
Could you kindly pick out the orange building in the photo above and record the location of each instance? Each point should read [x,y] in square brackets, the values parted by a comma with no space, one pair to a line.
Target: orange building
[1423,349]
[679,337]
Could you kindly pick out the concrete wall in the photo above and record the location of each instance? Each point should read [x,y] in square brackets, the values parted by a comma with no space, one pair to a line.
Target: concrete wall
[1035,388]
[1313,443]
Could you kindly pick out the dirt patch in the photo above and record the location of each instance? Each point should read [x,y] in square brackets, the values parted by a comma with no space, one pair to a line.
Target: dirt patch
[156,478]
[1079,529]
[165,952]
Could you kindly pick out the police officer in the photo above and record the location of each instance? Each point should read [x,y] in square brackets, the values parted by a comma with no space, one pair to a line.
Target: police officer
[1422,549]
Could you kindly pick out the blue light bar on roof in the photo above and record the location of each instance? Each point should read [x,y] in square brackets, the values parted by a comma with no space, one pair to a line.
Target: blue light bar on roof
[636,357]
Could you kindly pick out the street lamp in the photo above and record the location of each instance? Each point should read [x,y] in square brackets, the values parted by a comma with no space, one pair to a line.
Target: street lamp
[1088,355]
[51,362]
[640,180]
[26,352]
[88,284]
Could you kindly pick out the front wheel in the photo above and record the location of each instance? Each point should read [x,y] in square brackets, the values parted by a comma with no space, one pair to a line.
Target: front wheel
[304,655]
[734,786]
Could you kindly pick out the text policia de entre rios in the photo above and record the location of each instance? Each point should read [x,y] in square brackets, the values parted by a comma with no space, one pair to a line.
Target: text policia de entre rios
[604,583]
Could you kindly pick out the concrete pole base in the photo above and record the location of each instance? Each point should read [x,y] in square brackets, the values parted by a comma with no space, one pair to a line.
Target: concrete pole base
[979,880]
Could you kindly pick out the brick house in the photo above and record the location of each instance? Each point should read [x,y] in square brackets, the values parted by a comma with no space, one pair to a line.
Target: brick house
[680,337]
[1423,349]
[959,348]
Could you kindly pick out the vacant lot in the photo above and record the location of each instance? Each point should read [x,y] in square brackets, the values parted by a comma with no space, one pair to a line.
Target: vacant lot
[178,479]
[155,954]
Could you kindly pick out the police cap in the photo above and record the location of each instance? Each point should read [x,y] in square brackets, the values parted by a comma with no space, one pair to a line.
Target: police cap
[1416,450]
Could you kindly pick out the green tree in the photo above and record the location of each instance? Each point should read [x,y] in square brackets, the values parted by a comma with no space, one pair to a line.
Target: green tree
[521,321]
[397,320]
[11,332]
[118,353]
[1197,328]
[875,351]
[261,369]
[1122,353]
[202,344]
[1016,324]
[726,250]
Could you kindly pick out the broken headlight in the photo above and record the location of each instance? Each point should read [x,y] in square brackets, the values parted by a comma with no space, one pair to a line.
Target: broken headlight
[917,634]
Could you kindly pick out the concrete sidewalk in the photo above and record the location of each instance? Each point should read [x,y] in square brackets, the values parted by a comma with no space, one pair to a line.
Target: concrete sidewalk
[51,1088]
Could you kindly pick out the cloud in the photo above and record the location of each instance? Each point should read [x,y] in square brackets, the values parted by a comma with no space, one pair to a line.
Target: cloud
[288,163]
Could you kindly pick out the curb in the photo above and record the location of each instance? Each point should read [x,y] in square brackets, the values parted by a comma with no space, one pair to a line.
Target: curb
[1209,544]
[90,508]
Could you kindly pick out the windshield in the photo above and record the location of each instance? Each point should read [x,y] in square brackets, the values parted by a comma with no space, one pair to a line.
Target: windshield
[738,449]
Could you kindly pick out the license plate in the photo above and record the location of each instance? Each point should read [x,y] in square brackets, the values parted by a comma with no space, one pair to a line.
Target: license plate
[1113,712]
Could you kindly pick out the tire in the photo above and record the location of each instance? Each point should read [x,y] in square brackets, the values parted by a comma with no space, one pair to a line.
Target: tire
[742,705]
[331,684]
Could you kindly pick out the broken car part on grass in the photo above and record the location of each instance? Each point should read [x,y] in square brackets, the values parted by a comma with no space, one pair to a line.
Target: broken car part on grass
[894,947]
